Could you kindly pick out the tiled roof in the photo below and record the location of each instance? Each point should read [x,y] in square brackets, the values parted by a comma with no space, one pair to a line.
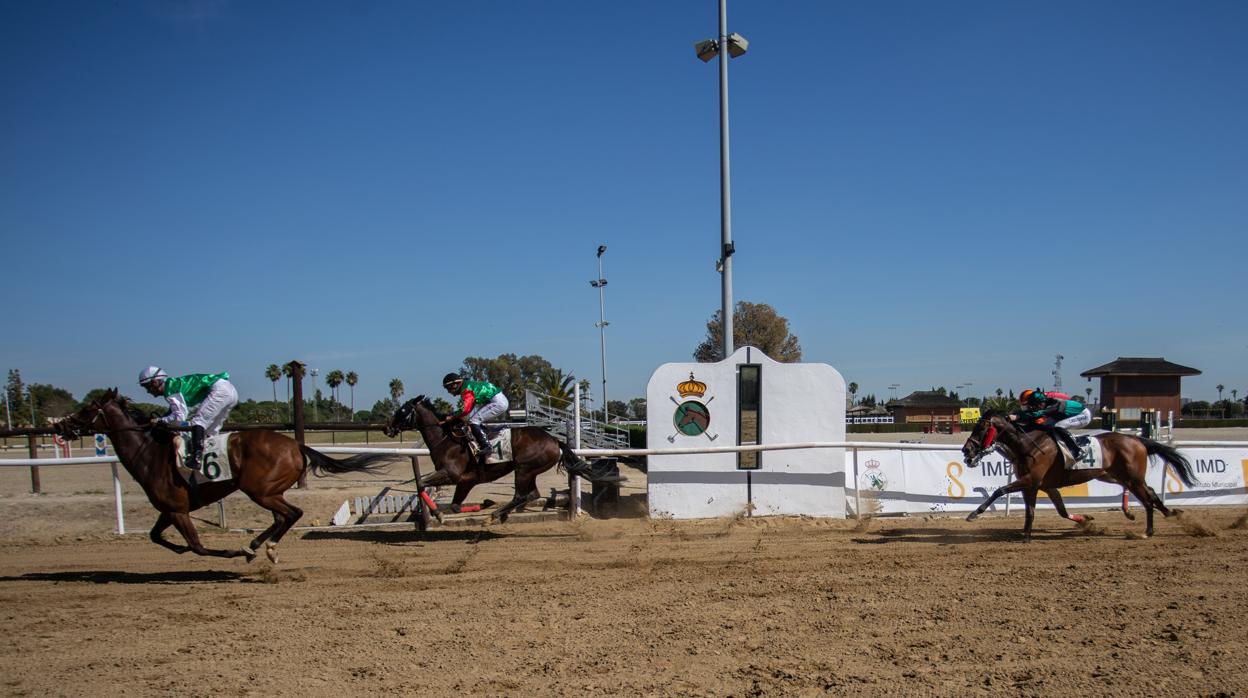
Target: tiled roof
[925,398]
[1140,366]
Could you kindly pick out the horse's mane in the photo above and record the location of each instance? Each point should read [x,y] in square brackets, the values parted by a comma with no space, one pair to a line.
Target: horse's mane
[143,419]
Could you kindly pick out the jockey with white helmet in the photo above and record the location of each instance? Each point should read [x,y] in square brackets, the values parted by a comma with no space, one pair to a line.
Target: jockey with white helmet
[206,398]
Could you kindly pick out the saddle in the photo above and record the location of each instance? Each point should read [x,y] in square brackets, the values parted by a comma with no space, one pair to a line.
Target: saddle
[499,439]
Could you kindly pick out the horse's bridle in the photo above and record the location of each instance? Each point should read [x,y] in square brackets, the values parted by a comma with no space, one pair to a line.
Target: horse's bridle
[79,428]
[983,448]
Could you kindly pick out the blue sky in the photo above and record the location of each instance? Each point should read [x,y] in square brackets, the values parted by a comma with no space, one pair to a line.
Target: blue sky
[932,193]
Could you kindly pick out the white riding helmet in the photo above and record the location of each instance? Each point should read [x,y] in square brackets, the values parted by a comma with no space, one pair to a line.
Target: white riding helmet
[150,374]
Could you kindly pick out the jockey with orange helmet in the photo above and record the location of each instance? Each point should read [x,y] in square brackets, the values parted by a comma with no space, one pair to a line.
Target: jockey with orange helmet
[1053,412]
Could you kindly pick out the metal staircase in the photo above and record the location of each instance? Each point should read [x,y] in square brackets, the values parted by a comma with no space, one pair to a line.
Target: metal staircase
[558,419]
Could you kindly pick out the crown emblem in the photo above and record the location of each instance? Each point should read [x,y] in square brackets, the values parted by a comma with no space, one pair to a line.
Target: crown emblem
[691,388]
[872,464]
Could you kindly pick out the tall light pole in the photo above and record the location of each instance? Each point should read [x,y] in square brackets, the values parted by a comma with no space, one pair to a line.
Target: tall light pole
[601,283]
[724,45]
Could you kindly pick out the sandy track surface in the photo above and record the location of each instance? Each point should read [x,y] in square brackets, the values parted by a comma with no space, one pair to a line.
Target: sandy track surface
[743,607]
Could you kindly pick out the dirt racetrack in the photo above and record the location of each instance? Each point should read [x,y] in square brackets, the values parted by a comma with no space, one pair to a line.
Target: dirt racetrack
[743,607]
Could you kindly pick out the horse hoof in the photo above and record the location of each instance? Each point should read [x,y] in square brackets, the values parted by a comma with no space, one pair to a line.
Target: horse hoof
[454,508]
[974,515]
[249,554]
[270,550]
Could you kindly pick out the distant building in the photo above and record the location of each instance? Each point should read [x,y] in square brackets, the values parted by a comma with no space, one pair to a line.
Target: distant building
[928,407]
[1129,384]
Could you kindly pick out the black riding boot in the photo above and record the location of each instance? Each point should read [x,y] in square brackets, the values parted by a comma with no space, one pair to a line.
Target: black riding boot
[483,444]
[1069,440]
[196,450]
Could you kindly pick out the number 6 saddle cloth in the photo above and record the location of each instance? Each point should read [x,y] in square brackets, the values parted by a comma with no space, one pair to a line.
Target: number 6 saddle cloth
[214,465]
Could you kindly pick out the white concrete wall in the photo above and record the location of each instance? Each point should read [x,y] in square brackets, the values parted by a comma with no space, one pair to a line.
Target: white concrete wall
[800,402]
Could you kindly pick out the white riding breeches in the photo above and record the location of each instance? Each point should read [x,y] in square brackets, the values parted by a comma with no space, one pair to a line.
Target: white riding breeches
[496,407]
[1078,421]
[213,411]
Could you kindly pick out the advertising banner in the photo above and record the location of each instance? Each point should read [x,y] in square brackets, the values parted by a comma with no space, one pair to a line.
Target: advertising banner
[912,482]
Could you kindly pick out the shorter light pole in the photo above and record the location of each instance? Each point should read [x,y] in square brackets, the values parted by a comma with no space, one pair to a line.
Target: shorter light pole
[316,415]
[894,388]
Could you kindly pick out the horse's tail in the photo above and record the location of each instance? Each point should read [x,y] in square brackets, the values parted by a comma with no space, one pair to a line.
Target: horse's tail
[322,465]
[569,461]
[1172,456]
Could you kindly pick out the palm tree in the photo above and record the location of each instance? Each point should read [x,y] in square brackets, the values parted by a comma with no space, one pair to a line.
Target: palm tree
[1219,386]
[1089,392]
[352,379]
[396,390]
[273,373]
[853,391]
[334,379]
[1234,394]
[553,383]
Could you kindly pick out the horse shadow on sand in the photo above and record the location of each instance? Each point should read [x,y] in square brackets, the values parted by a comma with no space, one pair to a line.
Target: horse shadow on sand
[950,536]
[120,577]
[411,537]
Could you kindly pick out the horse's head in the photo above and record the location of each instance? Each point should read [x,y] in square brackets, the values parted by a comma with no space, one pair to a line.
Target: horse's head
[91,416]
[412,414]
[983,438]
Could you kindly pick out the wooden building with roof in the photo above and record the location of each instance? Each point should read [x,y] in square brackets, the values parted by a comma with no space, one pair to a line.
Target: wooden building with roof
[928,407]
[1129,384]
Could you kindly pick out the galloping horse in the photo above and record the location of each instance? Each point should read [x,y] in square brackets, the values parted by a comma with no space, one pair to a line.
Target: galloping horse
[534,451]
[264,464]
[1038,464]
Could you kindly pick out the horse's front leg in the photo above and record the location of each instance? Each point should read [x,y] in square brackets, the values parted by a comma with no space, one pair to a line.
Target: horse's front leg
[1004,489]
[1029,500]
[1056,497]
[187,528]
[165,520]
[461,493]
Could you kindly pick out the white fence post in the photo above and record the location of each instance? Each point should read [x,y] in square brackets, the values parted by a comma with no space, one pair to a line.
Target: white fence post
[574,495]
[121,513]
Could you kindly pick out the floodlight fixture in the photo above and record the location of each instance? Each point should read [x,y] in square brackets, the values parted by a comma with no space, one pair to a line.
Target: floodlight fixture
[707,49]
[737,45]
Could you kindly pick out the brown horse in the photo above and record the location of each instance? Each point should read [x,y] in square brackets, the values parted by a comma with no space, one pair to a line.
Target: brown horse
[264,464]
[1040,465]
[534,451]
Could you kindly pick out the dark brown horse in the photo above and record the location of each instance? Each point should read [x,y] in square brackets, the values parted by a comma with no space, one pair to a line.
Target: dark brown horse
[1040,465]
[534,451]
[263,464]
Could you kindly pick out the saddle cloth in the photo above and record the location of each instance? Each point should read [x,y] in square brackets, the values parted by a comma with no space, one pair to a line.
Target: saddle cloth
[214,465]
[500,444]
[1093,458]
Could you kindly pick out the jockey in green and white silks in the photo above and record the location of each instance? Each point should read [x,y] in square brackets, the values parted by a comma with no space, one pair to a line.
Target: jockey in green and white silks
[478,401]
[206,398]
